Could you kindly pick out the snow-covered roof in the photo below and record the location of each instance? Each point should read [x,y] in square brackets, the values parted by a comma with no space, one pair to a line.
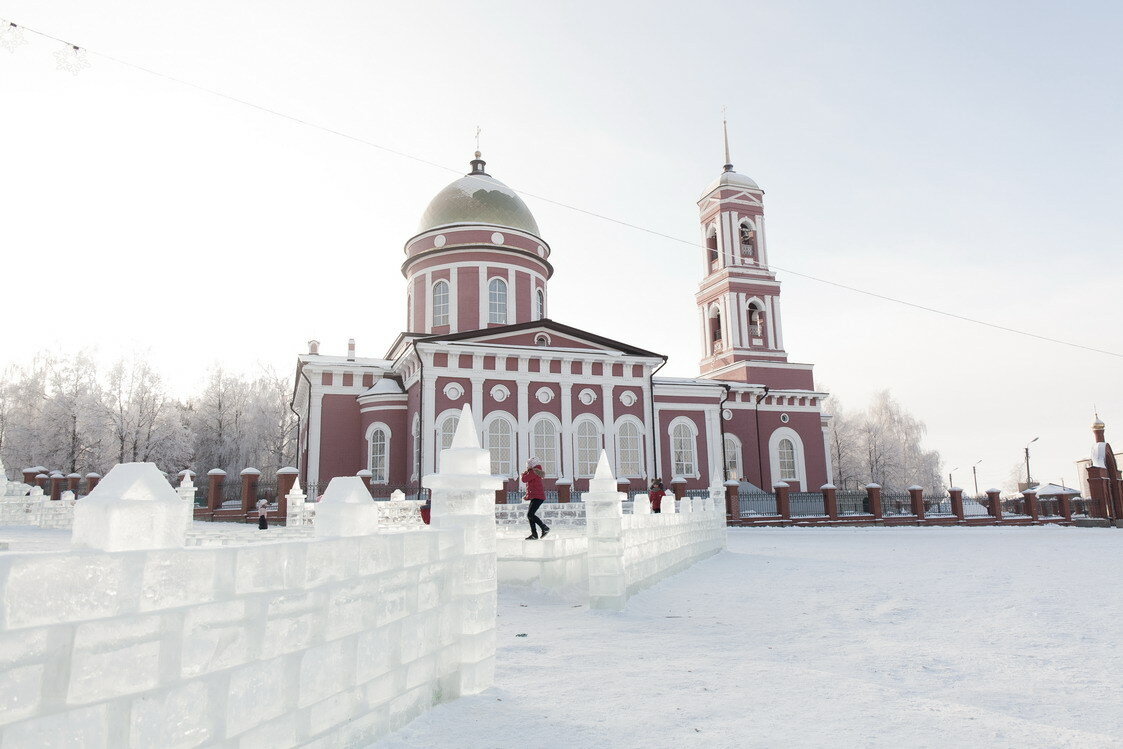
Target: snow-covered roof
[385,386]
[732,179]
[343,361]
[1099,454]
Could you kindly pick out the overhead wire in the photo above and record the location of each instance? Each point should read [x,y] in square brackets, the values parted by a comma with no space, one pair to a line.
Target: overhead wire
[559,203]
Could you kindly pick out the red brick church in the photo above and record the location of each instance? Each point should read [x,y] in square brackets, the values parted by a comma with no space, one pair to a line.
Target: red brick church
[478,330]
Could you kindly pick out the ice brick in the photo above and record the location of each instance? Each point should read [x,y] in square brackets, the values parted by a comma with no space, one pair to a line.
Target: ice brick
[218,636]
[115,657]
[52,588]
[256,695]
[179,717]
[177,578]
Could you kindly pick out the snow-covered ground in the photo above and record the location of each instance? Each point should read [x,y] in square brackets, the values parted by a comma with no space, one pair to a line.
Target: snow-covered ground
[821,637]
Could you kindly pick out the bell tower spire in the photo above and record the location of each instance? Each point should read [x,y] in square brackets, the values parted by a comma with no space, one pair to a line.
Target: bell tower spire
[739,296]
[725,132]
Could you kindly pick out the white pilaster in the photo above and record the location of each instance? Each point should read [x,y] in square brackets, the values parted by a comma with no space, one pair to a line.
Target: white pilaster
[566,438]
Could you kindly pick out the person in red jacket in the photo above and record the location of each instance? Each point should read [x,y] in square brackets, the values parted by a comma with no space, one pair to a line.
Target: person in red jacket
[536,495]
[655,494]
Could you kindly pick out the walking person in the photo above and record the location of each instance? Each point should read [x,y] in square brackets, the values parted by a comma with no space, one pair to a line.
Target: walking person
[655,494]
[262,512]
[536,495]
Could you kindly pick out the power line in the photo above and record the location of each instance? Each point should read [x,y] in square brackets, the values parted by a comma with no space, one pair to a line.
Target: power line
[560,204]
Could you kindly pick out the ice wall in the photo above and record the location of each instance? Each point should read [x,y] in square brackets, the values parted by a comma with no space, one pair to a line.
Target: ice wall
[628,553]
[327,641]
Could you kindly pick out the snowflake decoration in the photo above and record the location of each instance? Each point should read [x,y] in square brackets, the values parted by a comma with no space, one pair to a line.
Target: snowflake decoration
[11,36]
[72,59]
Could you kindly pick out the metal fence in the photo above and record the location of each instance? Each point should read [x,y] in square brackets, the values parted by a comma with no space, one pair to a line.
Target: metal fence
[976,507]
[938,505]
[551,496]
[1013,506]
[807,504]
[895,504]
[380,492]
[853,503]
[757,503]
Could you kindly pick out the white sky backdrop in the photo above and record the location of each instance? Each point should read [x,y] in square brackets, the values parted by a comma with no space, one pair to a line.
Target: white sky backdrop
[961,155]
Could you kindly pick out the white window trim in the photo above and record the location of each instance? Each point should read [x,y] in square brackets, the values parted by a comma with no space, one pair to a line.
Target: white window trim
[415,433]
[512,422]
[671,443]
[586,418]
[641,448]
[556,424]
[740,454]
[379,425]
[506,301]
[774,458]
[448,302]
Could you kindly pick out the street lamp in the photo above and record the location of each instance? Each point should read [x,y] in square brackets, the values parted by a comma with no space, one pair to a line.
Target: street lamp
[975,475]
[1029,481]
[950,485]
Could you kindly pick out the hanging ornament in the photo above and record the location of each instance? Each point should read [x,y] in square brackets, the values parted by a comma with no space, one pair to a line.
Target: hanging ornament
[72,59]
[11,36]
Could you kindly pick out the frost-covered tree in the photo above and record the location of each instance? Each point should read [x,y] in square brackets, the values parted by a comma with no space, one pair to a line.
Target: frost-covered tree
[58,412]
[145,424]
[882,444]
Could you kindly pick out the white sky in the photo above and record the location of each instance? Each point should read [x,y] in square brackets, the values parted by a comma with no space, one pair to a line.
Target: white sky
[961,155]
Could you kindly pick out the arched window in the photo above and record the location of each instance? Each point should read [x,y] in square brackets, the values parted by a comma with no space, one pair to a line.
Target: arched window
[786,459]
[544,445]
[683,454]
[756,319]
[748,240]
[629,445]
[711,246]
[500,440]
[440,303]
[445,432]
[378,454]
[539,304]
[586,448]
[715,326]
[497,301]
[786,453]
[732,458]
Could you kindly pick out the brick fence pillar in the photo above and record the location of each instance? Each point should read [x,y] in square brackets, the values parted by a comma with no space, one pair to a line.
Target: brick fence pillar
[957,502]
[783,504]
[57,483]
[1066,506]
[678,487]
[42,481]
[563,486]
[72,482]
[1032,507]
[216,477]
[92,480]
[250,477]
[29,475]
[830,500]
[286,477]
[732,501]
[916,499]
[994,504]
[873,492]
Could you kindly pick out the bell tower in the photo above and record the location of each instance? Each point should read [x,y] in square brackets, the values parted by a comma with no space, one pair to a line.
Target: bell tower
[739,297]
